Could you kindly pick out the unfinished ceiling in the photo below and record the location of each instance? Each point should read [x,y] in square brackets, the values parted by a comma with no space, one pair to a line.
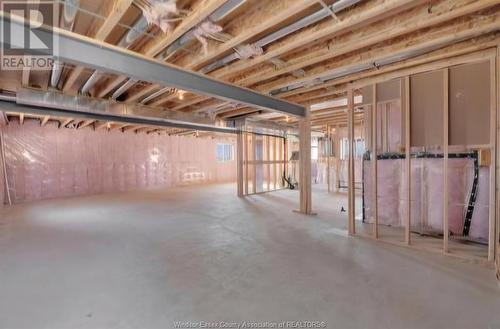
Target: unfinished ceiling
[303,51]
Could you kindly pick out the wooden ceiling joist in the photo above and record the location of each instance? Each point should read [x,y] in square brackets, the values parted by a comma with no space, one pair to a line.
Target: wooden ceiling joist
[411,21]
[275,19]
[116,13]
[195,18]
[364,18]
[368,41]
[407,23]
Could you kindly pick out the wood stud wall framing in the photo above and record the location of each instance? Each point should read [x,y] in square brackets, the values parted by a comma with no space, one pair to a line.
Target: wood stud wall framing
[256,175]
[446,230]
[493,254]
[408,157]
[497,163]
[305,164]
[493,234]
[374,160]
[351,211]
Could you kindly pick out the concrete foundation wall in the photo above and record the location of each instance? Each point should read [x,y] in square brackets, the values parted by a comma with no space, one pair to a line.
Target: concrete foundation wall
[48,162]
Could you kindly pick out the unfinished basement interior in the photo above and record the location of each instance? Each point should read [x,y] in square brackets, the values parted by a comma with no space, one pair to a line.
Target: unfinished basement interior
[250,164]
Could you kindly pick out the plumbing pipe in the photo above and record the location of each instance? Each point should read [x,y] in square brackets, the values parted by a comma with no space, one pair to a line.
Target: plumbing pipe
[129,83]
[90,82]
[306,21]
[156,94]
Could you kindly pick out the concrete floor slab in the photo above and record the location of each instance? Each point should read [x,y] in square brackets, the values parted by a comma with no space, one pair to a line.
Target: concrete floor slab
[147,259]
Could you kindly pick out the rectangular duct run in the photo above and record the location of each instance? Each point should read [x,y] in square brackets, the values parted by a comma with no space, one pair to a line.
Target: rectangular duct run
[56,100]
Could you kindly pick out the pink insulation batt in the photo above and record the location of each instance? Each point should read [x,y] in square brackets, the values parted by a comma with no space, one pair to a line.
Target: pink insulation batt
[427,195]
[48,162]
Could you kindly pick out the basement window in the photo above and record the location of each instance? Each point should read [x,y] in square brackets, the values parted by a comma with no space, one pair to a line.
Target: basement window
[225,152]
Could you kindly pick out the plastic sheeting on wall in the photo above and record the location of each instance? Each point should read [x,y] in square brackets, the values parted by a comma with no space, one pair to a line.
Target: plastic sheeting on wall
[427,195]
[47,162]
[2,183]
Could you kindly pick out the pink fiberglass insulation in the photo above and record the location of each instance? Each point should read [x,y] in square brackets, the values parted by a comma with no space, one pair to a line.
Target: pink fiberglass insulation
[480,225]
[388,193]
[427,195]
[388,198]
[48,162]
[339,171]
[2,184]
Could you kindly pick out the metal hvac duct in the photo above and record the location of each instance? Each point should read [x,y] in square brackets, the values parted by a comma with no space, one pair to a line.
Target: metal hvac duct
[306,21]
[137,30]
[87,105]
[397,57]
[156,94]
[231,5]
[129,83]
[67,22]
[224,10]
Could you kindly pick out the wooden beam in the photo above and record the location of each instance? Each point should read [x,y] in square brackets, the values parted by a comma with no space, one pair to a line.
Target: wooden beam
[102,124]
[119,8]
[187,24]
[408,22]
[25,79]
[328,156]
[198,16]
[239,163]
[375,13]
[44,120]
[493,235]
[275,158]
[497,175]
[351,192]
[129,128]
[407,108]
[375,161]
[446,229]
[85,123]
[397,68]
[275,20]
[447,36]
[440,64]
[195,18]
[305,164]
[363,18]
[254,168]
[117,11]
[4,121]
[246,143]
[65,123]
[301,95]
